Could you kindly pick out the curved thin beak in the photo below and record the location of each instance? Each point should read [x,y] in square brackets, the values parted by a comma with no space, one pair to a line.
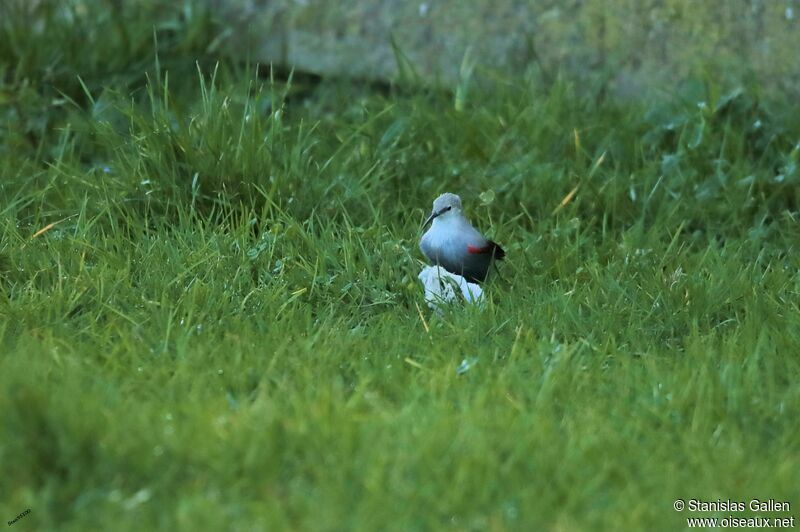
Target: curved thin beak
[430,218]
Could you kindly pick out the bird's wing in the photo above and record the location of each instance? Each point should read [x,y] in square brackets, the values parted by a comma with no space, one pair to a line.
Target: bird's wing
[478,250]
[477,244]
[490,248]
[498,252]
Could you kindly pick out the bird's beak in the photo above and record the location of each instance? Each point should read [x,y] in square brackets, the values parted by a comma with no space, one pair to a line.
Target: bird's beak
[431,217]
[434,214]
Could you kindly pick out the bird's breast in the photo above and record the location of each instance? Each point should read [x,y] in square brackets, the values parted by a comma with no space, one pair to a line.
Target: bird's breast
[447,246]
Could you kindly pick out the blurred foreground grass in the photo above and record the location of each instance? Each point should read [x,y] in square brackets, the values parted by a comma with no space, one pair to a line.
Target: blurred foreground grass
[210,316]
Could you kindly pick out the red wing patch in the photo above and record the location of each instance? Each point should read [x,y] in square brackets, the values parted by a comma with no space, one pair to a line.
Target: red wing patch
[477,250]
[491,248]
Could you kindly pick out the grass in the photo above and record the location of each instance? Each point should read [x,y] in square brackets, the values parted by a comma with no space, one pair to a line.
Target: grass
[210,317]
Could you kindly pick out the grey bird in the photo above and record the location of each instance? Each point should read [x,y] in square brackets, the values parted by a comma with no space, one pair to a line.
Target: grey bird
[454,244]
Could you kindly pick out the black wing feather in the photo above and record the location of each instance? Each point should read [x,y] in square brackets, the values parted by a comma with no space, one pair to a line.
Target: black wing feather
[497,252]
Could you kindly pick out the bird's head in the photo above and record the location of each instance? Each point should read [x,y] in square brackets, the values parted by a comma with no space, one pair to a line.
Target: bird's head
[445,205]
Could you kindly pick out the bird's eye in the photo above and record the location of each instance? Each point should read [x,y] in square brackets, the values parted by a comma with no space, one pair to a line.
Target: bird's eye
[448,208]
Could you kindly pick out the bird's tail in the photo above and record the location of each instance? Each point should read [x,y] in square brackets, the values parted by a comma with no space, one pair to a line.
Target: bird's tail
[497,252]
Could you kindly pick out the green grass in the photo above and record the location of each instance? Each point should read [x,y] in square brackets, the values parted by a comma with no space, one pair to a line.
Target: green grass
[224,329]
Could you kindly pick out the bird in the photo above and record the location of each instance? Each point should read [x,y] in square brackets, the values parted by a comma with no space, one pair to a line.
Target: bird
[452,242]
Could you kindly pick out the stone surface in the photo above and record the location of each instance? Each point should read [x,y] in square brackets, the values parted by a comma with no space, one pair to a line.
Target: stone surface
[633,43]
